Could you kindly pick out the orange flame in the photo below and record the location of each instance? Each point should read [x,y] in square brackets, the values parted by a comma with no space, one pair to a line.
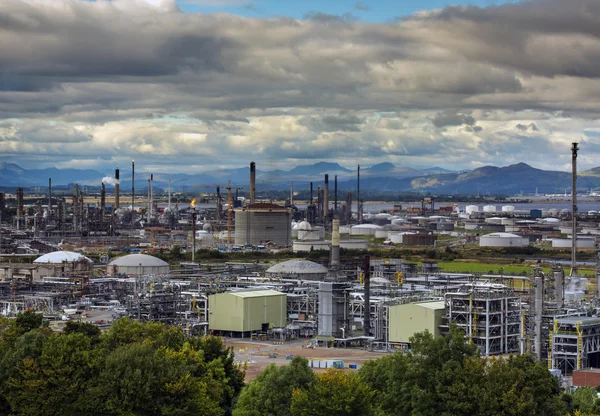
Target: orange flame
[193,203]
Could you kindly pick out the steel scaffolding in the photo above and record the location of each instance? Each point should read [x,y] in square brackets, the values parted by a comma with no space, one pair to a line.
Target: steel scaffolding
[574,344]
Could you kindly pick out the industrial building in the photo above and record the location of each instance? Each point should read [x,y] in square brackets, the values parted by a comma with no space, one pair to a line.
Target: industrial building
[262,223]
[406,320]
[240,312]
[61,263]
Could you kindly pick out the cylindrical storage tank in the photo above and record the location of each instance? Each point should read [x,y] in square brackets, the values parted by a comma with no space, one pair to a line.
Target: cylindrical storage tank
[353,244]
[508,208]
[381,233]
[582,242]
[261,223]
[399,221]
[345,229]
[489,208]
[503,240]
[396,238]
[469,209]
[137,265]
[493,220]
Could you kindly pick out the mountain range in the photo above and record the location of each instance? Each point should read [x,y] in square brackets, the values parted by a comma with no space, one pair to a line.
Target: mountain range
[508,180]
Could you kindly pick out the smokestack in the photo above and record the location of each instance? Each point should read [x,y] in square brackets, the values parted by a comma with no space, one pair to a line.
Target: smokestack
[335,244]
[132,186]
[169,195]
[252,182]
[319,204]
[358,210]
[102,201]
[539,306]
[117,186]
[20,210]
[559,288]
[335,195]
[291,193]
[75,207]
[151,196]
[311,193]
[149,202]
[49,195]
[326,201]
[574,150]
[367,307]
[193,234]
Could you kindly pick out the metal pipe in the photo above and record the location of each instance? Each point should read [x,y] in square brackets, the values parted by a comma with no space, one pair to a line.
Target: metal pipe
[539,310]
[367,307]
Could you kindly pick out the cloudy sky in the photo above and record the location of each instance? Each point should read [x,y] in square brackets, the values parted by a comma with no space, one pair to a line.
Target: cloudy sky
[192,85]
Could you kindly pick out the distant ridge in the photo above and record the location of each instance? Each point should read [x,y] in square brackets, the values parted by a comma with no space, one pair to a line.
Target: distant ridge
[385,177]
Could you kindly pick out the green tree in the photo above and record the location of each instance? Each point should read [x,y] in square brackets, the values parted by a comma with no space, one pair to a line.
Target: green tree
[28,320]
[334,393]
[270,394]
[585,400]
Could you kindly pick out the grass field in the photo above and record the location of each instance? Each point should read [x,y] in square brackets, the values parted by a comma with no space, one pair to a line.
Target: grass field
[491,268]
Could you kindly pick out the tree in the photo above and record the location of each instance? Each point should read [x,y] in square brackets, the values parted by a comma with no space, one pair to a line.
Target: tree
[334,393]
[29,320]
[585,400]
[270,394]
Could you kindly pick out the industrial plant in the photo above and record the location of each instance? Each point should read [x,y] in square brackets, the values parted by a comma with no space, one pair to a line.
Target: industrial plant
[66,254]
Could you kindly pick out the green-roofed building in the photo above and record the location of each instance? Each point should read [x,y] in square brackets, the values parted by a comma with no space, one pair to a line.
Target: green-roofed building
[246,311]
[408,319]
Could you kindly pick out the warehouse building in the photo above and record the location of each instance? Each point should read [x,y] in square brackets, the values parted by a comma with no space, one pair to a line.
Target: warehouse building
[239,313]
[408,319]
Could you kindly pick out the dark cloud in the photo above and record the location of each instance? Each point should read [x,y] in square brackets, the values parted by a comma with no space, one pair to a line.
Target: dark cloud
[119,77]
[448,118]
[330,18]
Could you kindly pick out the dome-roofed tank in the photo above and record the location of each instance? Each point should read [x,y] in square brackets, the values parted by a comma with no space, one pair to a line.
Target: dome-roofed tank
[137,264]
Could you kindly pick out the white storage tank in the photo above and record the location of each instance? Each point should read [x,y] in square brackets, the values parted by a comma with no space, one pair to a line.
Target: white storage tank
[493,220]
[489,208]
[471,209]
[508,208]
[381,233]
[503,240]
[582,242]
[345,229]
[364,229]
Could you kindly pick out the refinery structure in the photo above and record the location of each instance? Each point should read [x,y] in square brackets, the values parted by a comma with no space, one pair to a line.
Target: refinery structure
[79,263]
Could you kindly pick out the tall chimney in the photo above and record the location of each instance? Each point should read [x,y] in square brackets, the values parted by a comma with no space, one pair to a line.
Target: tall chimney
[117,188]
[358,209]
[151,196]
[291,193]
[539,310]
[49,195]
[311,193]
[132,184]
[367,307]
[574,150]
[335,244]
[102,201]
[319,203]
[252,182]
[149,212]
[326,201]
[335,195]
